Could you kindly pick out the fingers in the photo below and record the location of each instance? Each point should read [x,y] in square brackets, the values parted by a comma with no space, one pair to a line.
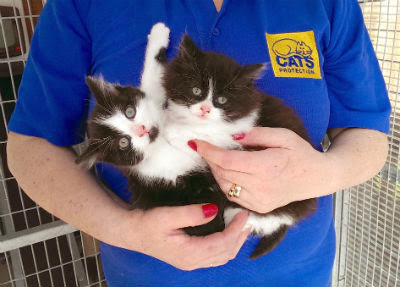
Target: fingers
[186,252]
[228,159]
[269,137]
[223,246]
[226,179]
[238,223]
[245,199]
[189,215]
[230,175]
[232,249]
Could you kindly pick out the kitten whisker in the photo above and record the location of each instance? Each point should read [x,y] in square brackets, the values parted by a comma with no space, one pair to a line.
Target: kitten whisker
[104,108]
[103,140]
[166,174]
[108,146]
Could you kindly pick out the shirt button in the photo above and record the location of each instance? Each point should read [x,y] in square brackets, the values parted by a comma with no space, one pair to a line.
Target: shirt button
[216,32]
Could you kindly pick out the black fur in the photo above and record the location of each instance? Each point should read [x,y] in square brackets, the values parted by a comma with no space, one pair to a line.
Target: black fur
[192,68]
[196,187]
[103,141]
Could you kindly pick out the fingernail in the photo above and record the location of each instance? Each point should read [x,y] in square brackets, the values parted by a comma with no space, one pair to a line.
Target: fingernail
[192,145]
[240,136]
[209,210]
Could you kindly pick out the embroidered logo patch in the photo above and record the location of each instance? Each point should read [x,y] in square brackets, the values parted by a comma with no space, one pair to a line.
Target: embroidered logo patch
[294,55]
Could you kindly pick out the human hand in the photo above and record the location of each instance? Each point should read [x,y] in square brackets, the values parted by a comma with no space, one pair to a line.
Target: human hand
[287,169]
[158,233]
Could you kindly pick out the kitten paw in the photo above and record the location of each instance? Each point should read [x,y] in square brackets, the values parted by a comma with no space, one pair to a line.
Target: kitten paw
[159,36]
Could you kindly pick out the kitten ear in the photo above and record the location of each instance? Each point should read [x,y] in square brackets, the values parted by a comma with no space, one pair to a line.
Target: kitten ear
[100,88]
[188,48]
[89,157]
[252,72]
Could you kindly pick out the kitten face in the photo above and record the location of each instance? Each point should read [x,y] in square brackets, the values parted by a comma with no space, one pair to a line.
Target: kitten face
[207,87]
[120,126]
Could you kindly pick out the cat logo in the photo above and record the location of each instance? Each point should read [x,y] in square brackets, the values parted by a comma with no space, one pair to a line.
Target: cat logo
[294,55]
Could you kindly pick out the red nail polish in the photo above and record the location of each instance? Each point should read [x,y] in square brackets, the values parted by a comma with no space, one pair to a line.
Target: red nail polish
[192,145]
[240,136]
[209,210]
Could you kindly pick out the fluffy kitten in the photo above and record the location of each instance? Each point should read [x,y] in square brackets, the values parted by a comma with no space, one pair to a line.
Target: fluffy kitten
[211,97]
[126,129]
[125,119]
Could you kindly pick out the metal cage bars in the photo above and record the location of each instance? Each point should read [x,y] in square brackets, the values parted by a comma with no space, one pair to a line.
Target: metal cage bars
[37,250]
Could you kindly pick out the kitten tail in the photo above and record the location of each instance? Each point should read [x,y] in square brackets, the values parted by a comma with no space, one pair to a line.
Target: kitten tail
[267,243]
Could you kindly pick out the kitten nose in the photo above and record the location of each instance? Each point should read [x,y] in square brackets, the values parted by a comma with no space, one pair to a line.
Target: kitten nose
[141,131]
[205,109]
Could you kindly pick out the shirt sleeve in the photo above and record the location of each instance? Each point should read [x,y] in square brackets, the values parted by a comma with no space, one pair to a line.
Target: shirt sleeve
[53,97]
[355,83]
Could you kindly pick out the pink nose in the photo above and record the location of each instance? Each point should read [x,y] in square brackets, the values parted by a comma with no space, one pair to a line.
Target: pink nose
[140,130]
[205,109]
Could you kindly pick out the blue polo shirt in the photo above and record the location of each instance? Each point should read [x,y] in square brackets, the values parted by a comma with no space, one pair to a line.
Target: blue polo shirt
[319,61]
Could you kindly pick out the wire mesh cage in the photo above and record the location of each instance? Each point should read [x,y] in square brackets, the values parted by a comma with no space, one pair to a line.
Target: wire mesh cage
[37,249]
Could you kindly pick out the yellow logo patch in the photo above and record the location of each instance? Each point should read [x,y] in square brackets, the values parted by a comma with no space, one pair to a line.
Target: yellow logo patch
[294,55]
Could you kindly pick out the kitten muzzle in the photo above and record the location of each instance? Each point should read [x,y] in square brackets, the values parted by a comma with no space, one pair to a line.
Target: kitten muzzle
[140,131]
[153,133]
[205,110]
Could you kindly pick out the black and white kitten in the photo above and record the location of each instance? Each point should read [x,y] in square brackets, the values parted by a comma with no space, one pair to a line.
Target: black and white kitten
[125,119]
[126,129]
[211,97]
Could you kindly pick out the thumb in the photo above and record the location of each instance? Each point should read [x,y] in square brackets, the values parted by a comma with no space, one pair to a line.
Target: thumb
[269,138]
[191,215]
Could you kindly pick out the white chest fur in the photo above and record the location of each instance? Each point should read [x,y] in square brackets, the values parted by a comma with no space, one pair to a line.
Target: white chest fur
[180,130]
[170,156]
[165,161]
[260,224]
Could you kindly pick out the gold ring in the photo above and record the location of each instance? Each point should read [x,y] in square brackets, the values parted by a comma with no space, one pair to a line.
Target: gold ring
[235,190]
[211,265]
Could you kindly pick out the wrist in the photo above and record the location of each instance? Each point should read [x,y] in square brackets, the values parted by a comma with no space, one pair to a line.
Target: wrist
[323,178]
[333,173]
[355,156]
[118,227]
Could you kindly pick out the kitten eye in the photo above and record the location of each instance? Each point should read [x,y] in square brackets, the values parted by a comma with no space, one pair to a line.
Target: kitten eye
[196,91]
[222,100]
[124,142]
[130,112]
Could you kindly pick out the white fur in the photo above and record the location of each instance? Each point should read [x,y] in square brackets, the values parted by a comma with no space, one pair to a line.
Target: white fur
[119,122]
[264,224]
[186,124]
[151,81]
[163,160]
[214,114]
[218,132]
[169,156]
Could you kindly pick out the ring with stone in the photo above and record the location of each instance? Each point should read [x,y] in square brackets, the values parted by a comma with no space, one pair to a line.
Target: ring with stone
[235,190]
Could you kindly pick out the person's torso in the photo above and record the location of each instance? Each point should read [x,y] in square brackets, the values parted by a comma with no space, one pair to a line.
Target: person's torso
[288,36]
